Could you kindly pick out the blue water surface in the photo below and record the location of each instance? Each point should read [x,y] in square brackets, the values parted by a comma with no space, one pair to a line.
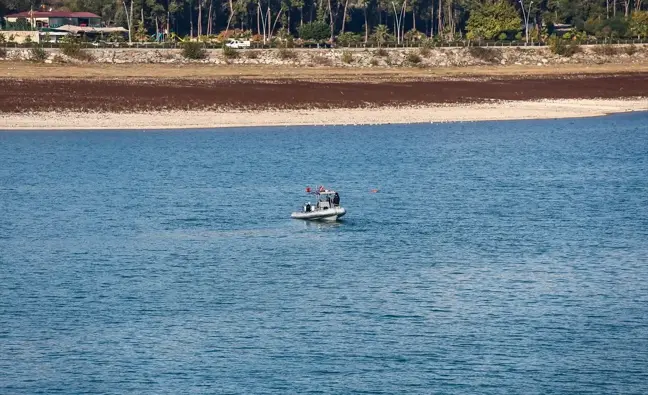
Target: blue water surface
[495,258]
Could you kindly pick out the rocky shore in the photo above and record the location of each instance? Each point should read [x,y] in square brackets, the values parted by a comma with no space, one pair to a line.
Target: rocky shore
[359,57]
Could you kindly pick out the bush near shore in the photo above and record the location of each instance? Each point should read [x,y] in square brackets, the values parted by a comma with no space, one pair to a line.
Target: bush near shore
[194,50]
[72,48]
[37,54]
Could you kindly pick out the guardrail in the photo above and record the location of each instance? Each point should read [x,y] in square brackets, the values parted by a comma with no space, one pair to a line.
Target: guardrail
[391,45]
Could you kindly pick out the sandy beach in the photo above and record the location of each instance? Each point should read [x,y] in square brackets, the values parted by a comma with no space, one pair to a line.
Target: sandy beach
[174,119]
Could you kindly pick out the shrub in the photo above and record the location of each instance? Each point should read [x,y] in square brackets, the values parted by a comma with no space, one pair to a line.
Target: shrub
[3,53]
[37,54]
[166,55]
[374,62]
[488,55]
[630,50]
[317,31]
[72,48]
[414,35]
[347,57]
[2,38]
[562,47]
[229,52]
[286,54]
[413,58]
[85,56]
[58,59]
[348,38]
[424,51]
[251,54]
[605,50]
[193,50]
[381,35]
[322,60]
[116,37]
[381,52]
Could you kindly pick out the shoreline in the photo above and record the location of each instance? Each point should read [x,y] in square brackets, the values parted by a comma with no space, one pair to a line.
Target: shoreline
[256,72]
[358,58]
[375,115]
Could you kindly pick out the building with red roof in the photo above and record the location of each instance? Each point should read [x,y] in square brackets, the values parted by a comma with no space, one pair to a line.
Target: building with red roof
[55,19]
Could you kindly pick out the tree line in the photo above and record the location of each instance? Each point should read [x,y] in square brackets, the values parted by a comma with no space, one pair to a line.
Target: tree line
[362,20]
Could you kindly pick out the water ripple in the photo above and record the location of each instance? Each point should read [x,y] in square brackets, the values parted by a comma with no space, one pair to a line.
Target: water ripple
[496,258]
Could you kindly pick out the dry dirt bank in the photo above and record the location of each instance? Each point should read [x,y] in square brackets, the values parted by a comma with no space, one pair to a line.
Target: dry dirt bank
[9,69]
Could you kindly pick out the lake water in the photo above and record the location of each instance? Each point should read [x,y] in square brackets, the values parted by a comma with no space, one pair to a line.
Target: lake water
[496,258]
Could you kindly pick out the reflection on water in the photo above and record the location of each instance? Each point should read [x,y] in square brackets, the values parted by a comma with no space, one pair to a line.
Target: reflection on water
[321,225]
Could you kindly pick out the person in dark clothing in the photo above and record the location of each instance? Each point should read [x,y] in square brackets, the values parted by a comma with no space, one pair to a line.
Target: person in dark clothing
[336,199]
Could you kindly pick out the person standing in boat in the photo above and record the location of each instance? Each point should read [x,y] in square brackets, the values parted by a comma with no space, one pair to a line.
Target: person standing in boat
[336,199]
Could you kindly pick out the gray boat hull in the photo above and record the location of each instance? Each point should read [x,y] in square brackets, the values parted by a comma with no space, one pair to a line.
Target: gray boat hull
[328,214]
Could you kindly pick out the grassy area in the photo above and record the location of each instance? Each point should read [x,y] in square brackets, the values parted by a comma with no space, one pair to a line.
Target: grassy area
[254,72]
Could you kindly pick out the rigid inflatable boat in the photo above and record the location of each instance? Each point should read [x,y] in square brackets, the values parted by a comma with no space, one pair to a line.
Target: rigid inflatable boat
[326,208]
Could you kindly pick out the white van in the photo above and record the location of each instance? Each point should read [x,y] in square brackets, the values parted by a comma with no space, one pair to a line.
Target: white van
[232,43]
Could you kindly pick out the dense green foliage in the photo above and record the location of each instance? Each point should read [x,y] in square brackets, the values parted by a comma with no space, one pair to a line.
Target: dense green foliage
[349,38]
[380,21]
[490,20]
[639,24]
[317,31]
